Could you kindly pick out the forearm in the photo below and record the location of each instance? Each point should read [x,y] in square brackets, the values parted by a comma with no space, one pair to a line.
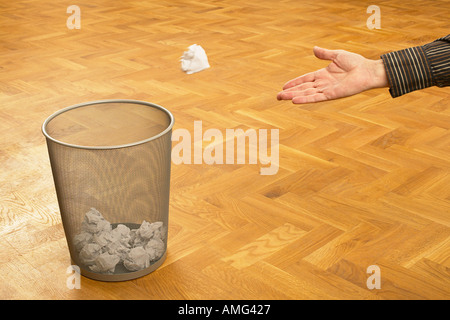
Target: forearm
[378,75]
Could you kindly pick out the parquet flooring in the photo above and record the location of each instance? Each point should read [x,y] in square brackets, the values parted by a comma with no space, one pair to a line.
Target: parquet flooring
[362,181]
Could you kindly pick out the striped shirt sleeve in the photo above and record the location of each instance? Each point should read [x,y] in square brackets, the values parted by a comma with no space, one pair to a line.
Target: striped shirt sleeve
[418,67]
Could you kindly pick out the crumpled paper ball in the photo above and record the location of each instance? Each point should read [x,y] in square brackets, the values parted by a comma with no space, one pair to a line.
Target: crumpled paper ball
[154,248]
[137,259]
[101,247]
[147,231]
[105,263]
[82,239]
[194,59]
[89,253]
[94,222]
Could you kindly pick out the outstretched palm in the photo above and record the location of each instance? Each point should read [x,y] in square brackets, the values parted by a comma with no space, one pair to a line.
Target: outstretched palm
[348,74]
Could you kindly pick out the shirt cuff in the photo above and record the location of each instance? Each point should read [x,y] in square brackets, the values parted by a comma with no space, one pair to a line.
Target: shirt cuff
[438,54]
[407,70]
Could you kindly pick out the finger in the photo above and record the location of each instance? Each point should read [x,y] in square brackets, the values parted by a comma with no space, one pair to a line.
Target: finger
[317,97]
[321,53]
[325,54]
[288,95]
[302,86]
[309,77]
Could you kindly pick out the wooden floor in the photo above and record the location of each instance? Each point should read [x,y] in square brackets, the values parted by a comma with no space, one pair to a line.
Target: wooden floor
[362,181]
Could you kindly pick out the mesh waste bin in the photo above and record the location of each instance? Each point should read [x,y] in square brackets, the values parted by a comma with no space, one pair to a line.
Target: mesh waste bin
[110,162]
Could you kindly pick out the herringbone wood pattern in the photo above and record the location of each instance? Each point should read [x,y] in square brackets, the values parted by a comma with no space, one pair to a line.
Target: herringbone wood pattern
[362,181]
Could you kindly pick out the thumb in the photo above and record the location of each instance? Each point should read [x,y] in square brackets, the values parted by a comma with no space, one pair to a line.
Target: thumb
[325,54]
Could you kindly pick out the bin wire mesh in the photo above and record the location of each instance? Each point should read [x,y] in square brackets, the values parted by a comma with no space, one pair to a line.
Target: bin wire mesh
[112,158]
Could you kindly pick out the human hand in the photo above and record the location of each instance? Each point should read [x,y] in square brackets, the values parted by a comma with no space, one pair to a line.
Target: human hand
[348,74]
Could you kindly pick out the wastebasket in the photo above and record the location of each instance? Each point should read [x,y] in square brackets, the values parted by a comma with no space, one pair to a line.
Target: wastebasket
[110,161]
